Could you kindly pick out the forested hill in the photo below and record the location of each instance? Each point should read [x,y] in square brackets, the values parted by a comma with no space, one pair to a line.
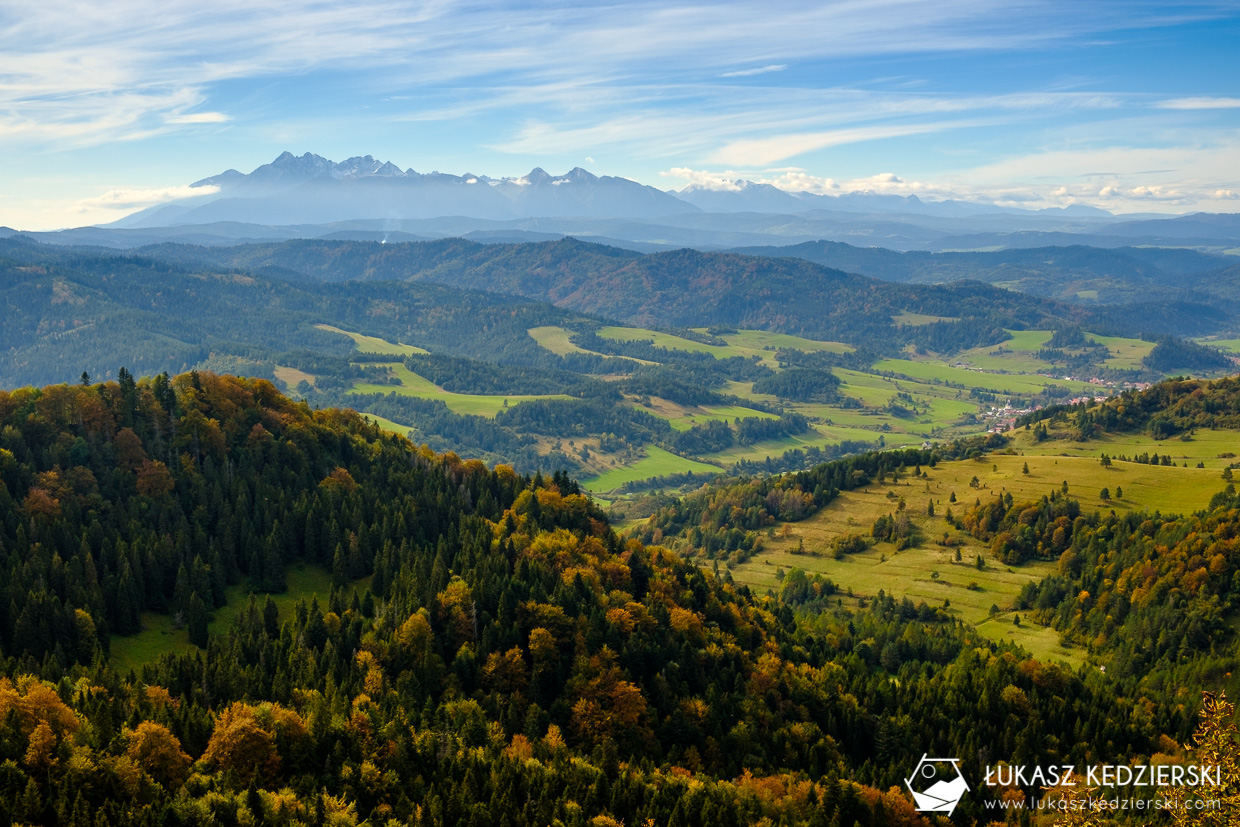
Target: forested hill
[68,311]
[490,652]
[1170,408]
[688,288]
[1072,273]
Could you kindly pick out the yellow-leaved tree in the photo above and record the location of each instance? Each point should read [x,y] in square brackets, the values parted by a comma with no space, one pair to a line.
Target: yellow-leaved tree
[1215,744]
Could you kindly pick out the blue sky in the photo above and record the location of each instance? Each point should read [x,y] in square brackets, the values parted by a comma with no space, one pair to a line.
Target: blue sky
[111,106]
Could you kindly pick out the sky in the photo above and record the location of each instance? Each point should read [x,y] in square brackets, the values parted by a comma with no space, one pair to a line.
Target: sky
[110,106]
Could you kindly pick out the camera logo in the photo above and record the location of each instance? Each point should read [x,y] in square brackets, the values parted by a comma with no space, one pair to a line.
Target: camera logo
[937,785]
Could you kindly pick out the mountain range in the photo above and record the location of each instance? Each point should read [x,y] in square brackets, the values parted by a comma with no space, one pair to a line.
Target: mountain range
[368,199]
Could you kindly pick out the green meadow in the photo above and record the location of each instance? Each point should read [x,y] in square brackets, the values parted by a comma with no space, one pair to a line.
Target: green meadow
[746,344]
[930,572]
[411,384]
[558,340]
[372,344]
[1016,384]
[160,636]
[656,463]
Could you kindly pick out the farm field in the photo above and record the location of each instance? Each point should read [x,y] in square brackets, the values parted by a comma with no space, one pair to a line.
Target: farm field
[372,344]
[656,463]
[160,636]
[411,384]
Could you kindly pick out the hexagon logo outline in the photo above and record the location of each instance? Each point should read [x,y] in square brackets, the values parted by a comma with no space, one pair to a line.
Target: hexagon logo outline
[944,790]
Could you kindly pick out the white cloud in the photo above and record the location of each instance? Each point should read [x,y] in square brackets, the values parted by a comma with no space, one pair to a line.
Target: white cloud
[701,179]
[199,117]
[1199,103]
[759,70]
[131,199]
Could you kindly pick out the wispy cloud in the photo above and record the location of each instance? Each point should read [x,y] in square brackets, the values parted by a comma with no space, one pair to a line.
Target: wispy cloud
[768,150]
[759,70]
[198,117]
[64,61]
[1199,103]
[129,199]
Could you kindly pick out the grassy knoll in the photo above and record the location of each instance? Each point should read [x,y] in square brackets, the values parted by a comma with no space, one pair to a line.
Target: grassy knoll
[927,573]
[1016,355]
[159,635]
[947,404]
[1126,354]
[372,344]
[1204,446]
[463,403]
[656,463]
[912,572]
[911,319]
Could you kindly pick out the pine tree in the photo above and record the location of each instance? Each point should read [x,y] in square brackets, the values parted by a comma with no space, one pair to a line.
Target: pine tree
[197,621]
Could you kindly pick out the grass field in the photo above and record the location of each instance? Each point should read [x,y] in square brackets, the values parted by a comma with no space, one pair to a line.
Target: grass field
[656,463]
[558,341]
[388,424]
[371,344]
[759,340]
[463,403]
[1017,354]
[1014,355]
[1019,384]
[1230,345]
[159,636]
[744,343]
[912,572]
[820,437]
[1126,354]
[682,417]
[292,376]
[1204,446]
[664,340]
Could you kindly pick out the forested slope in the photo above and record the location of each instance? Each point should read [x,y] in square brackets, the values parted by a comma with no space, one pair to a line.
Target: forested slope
[512,660]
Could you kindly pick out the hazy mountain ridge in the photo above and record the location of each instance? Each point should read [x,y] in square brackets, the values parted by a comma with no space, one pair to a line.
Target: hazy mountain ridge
[1068,273]
[686,288]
